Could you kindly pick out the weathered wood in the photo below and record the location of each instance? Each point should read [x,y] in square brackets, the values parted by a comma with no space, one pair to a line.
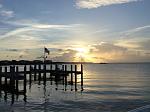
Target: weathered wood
[81,75]
[30,74]
[59,73]
[71,75]
[39,78]
[0,75]
[25,78]
[75,78]
[65,75]
[17,87]
[35,71]
[6,75]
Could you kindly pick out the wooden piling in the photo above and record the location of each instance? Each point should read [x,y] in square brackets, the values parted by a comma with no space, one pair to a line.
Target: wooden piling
[65,75]
[0,76]
[71,75]
[81,76]
[35,72]
[25,68]
[6,75]
[30,75]
[17,87]
[39,77]
[12,81]
[75,77]
[44,77]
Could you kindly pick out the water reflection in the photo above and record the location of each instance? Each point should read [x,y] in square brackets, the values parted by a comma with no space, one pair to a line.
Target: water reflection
[107,88]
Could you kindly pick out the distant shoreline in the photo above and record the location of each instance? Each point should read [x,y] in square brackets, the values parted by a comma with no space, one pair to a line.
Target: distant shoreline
[26,62]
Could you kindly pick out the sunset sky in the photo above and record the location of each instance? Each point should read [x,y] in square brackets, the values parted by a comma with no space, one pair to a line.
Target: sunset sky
[96,30]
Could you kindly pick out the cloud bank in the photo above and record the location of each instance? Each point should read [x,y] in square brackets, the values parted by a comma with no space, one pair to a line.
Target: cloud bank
[98,3]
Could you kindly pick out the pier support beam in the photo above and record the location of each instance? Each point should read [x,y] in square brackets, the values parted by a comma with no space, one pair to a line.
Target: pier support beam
[81,77]
[75,77]
[35,72]
[17,87]
[71,75]
[0,76]
[6,75]
[25,80]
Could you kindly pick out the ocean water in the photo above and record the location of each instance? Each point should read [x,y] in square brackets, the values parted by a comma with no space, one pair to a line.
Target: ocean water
[107,88]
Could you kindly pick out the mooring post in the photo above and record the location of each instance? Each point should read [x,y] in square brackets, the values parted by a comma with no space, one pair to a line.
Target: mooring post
[34,72]
[75,77]
[81,76]
[17,87]
[51,68]
[39,78]
[71,75]
[44,73]
[62,67]
[30,75]
[65,74]
[6,75]
[25,80]
[0,75]
[13,81]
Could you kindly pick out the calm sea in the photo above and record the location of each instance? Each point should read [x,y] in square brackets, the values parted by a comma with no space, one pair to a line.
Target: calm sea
[107,88]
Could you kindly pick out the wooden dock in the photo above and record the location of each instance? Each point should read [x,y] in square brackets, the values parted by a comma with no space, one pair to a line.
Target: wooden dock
[12,73]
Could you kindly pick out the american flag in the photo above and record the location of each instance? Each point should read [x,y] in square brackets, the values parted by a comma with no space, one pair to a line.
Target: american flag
[46,50]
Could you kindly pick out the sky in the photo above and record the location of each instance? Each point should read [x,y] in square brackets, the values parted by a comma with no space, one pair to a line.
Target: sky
[75,30]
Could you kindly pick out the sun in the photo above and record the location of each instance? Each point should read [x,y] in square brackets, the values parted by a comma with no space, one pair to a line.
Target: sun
[82,54]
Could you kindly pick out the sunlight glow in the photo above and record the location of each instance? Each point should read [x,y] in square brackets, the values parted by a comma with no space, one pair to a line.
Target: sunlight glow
[83,55]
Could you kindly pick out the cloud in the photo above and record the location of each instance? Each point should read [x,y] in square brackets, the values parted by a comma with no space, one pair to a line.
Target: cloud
[33,30]
[38,25]
[135,30]
[7,13]
[98,3]
[67,55]
[1,5]
[104,47]
[111,52]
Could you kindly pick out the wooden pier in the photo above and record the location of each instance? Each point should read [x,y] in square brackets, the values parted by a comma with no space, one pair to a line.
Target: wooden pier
[28,72]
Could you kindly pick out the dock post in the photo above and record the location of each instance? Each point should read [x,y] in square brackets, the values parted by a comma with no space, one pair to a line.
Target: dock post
[25,80]
[63,69]
[12,73]
[75,77]
[71,75]
[30,75]
[35,72]
[51,68]
[39,78]
[17,69]
[65,75]
[81,77]
[44,77]
[6,75]
[0,75]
